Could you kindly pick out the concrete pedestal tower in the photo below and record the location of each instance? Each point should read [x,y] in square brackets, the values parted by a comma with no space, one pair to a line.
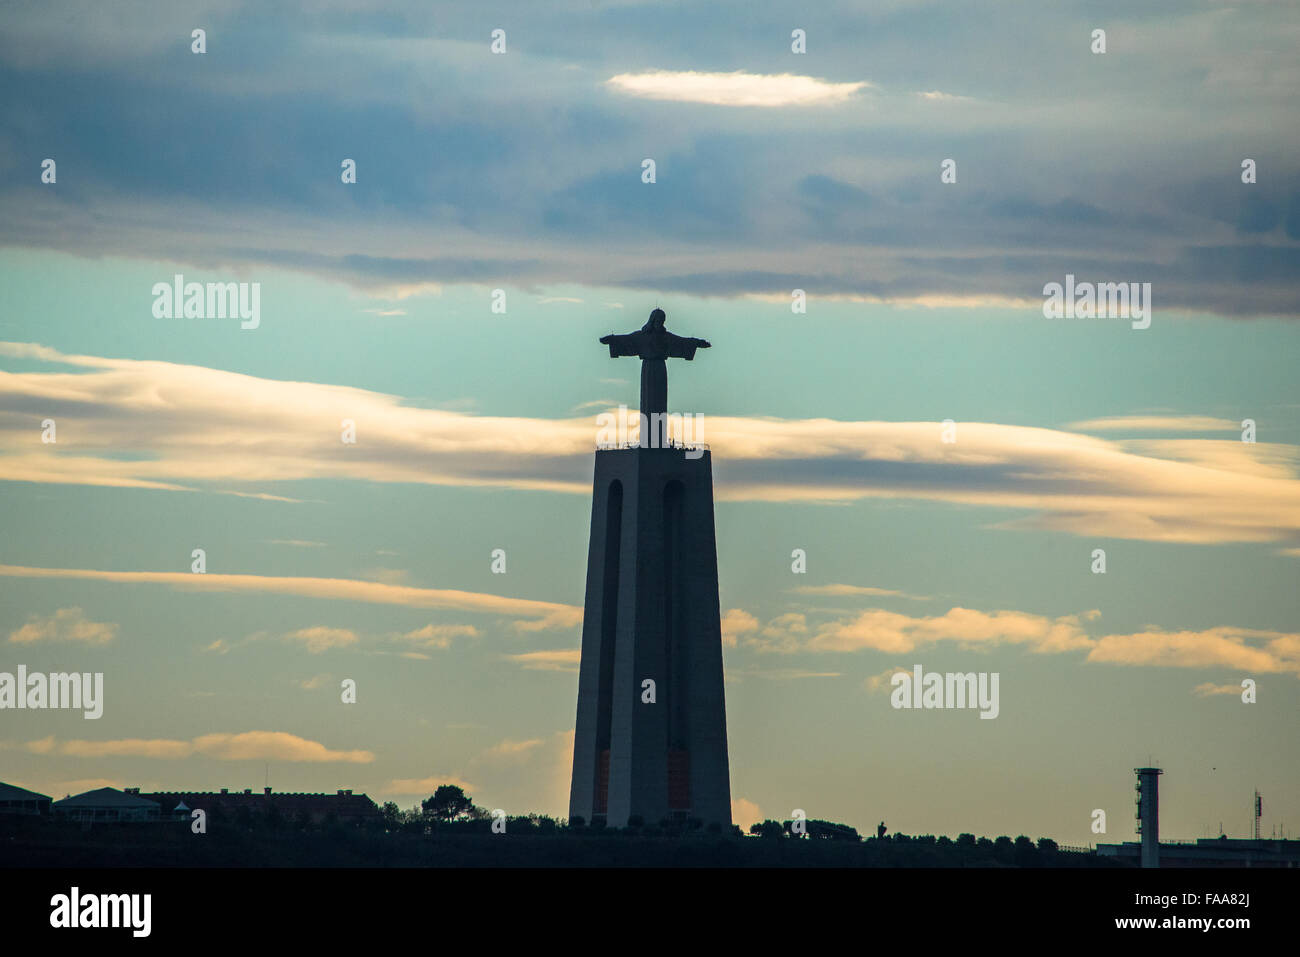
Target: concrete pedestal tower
[650,739]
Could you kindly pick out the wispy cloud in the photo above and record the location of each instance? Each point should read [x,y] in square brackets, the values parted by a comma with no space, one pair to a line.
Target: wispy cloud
[246,746]
[881,681]
[439,636]
[1156,423]
[544,614]
[941,97]
[511,751]
[782,674]
[424,787]
[848,590]
[81,785]
[558,660]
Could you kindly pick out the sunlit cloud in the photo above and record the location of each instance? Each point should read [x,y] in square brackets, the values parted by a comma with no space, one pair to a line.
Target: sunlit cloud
[888,631]
[1220,647]
[190,428]
[737,622]
[1238,649]
[734,89]
[65,625]
[321,638]
[744,813]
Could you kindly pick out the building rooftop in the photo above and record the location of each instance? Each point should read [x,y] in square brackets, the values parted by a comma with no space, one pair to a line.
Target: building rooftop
[343,800]
[105,797]
[11,792]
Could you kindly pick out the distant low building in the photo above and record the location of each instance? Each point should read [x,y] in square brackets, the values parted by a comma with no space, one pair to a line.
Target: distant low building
[107,805]
[1212,852]
[343,806]
[16,800]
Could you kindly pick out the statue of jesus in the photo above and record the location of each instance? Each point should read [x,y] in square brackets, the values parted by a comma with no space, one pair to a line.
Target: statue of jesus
[652,344]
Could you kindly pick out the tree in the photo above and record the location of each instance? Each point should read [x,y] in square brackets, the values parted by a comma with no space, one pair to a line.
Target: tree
[1026,853]
[829,830]
[414,821]
[1003,849]
[391,815]
[449,803]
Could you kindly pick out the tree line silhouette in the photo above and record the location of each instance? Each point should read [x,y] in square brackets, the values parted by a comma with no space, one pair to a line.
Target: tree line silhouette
[449,829]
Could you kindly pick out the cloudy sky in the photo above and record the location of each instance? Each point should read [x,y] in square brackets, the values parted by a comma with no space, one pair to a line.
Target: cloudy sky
[523,172]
